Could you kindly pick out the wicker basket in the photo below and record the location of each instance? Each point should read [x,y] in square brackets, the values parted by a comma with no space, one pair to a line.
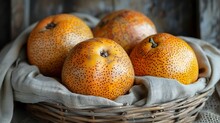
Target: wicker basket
[181,111]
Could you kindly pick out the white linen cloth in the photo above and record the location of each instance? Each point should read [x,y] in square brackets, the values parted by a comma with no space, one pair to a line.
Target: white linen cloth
[23,82]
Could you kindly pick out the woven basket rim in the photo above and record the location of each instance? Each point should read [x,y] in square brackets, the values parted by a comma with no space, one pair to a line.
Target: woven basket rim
[181,110]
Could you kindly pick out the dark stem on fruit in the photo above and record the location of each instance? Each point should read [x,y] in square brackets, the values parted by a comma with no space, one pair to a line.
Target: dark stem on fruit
[50,25]
[104,53]
[154,44]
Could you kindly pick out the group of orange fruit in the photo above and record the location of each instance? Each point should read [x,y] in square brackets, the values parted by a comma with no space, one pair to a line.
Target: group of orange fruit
[104,61]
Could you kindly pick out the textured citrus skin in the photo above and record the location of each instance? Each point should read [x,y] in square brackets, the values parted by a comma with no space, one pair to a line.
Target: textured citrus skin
[126,27]
[87,72]
[172,58]
[48,47]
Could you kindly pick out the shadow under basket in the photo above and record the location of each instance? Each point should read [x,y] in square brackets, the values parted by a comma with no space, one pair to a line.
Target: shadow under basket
[177,111]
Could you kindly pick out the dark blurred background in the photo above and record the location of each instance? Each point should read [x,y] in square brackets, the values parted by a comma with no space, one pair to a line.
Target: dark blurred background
[5,29]
[195,18]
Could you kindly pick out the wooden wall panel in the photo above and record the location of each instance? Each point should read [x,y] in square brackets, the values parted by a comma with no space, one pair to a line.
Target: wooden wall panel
[196,18]
[43,8]
[210,21]
[26,12]
[19,16]
[172,16]
[97,8]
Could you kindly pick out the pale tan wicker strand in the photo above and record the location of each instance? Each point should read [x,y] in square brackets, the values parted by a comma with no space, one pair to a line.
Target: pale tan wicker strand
[178,111]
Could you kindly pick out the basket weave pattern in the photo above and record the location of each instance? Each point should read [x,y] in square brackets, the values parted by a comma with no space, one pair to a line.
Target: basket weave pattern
[181,111]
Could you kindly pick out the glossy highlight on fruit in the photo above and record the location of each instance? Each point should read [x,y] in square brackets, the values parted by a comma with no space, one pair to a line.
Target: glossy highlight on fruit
[51,40]
[98,67]
[165,55]
[126,27]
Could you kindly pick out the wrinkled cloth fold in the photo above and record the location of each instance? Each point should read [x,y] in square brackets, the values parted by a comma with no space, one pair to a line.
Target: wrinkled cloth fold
[23,82]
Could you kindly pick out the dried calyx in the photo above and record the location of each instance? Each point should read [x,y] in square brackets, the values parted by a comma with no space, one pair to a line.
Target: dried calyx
[50,25]
[104,53]
[154,44]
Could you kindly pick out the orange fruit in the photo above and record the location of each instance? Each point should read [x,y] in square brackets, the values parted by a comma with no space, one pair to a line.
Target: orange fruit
[126,27]
[165,55]
[51,40]
[98,67]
